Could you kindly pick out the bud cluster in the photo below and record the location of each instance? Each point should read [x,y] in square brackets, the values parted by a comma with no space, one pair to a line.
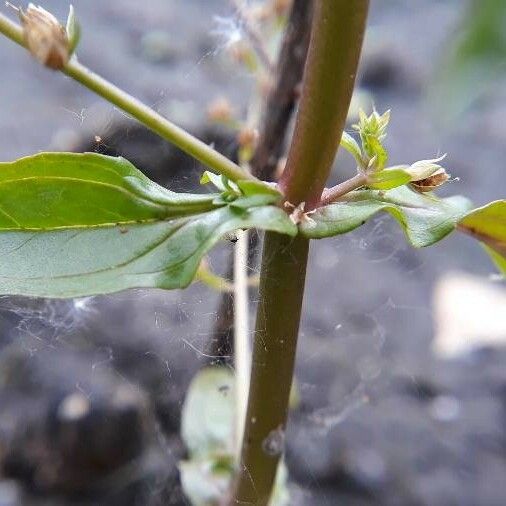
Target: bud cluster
[371,157]
[373,130]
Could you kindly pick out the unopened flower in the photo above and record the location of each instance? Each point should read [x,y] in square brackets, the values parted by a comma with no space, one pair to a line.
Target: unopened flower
[247,137]
[427,175]
[45,37]
[430,183]
[220,111]
[242,54]
[424,168]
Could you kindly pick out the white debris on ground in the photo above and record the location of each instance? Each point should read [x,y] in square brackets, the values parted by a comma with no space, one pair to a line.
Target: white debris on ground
[469,313]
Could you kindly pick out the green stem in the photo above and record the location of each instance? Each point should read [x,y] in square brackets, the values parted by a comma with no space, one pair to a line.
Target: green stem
[141,112]
[337,34]
[331,67]
[277,326]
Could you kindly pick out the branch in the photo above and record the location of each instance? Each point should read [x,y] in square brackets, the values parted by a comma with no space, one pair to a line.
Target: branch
[278,112]
[254,37]
[281,101]
[144,114]
[332,194]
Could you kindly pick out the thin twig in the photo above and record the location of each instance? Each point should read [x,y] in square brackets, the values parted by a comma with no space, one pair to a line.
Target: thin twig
[278,112]
[332,194]
[253,36]
[144,114]
[284,94]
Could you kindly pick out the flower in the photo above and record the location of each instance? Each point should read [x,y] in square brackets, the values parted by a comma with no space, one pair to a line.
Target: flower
[438,178]
[45,37]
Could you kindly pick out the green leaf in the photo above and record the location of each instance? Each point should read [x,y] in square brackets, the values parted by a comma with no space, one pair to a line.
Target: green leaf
[215,179]
[351,145]
[488,224]
[207,422]
[73,30]
[205,481]
[49,191]
[424,219]
[256,194]
[207,429]
[74,225]
[88,261]
[249,188]
[388,178]
[376,151]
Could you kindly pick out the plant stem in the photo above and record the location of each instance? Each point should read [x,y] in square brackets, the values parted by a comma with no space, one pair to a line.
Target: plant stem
[277,327]
[336,40]
[254,37]
[332,194]
[282,98]
[273,129]
[141,112]
[331,68]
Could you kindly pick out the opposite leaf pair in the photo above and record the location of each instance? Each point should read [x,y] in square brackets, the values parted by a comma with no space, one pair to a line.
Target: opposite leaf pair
[73,225]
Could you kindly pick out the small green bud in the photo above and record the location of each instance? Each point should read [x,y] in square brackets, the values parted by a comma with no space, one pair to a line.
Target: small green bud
[73,30]
[374,125]
[372,131]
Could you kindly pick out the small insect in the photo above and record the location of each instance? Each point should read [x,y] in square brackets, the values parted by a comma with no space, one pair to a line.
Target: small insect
[45,37]
[231,236]
[100,145]
[223,389]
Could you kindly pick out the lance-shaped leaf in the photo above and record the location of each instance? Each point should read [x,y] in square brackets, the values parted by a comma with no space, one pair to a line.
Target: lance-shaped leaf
[74,225]
[60,190]
[424,219]
[488,224]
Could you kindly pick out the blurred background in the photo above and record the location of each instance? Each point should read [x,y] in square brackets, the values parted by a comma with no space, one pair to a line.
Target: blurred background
[401,368]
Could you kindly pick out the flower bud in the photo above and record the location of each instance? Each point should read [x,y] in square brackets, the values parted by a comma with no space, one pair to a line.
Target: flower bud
[427,175]
[430,183]
[424,168]
[247,137]
[220,111]
[45,37]
[242,54]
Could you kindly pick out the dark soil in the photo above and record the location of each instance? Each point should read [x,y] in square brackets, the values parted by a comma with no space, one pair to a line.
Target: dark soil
[381,419]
